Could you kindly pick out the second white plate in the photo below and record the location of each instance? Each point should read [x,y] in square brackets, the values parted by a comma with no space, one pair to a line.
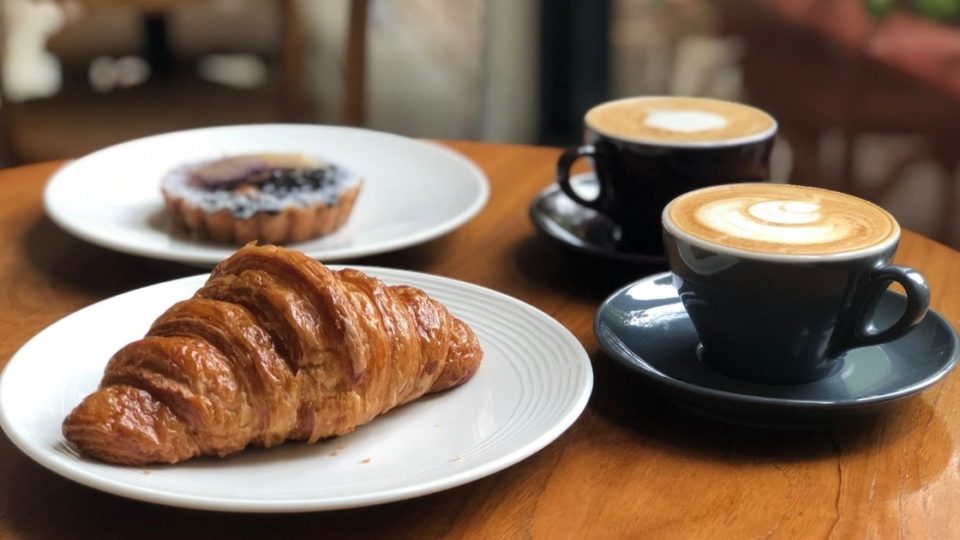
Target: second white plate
[413,190]
[533,383]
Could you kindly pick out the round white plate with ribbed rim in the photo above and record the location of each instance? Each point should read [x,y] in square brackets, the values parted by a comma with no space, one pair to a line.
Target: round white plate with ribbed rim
[533,383]
[413,190]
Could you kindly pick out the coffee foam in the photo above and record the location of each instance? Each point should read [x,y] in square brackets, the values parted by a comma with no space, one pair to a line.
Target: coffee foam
[684,121]
[679,120]
[781,219]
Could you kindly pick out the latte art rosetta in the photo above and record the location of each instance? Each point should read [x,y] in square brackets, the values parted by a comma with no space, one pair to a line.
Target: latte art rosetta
[790,222]
[786,212]
[782,219]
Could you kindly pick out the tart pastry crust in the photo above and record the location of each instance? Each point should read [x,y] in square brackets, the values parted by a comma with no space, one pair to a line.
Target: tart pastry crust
[269,198]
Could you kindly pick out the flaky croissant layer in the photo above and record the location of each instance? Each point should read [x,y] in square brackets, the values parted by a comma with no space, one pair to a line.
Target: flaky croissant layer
[274,347]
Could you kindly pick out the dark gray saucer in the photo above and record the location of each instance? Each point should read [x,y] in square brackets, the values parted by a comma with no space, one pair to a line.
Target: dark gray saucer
[579,227]
[644,328]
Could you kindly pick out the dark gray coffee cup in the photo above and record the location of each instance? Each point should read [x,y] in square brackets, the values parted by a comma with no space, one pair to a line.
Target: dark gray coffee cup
[786,319]
[638,177]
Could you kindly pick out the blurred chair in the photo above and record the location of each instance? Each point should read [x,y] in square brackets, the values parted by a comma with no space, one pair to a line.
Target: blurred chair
[190,50]
[824,67]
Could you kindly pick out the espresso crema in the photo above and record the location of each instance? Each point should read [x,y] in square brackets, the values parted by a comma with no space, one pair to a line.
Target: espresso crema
[679,120]
[781,219]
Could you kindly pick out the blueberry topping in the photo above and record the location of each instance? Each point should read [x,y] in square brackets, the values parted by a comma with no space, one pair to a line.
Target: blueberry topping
[245,190]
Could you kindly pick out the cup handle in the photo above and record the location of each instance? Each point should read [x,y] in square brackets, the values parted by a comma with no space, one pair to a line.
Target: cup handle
[918,301]
[566,160]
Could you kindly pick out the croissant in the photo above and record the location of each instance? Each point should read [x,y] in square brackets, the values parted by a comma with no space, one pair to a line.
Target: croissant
[274,347]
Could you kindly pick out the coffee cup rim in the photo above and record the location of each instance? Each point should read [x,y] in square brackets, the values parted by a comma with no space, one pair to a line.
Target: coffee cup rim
[716,143]
[670,227]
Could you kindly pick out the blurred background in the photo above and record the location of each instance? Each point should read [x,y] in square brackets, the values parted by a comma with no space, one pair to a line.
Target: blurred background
[867,92]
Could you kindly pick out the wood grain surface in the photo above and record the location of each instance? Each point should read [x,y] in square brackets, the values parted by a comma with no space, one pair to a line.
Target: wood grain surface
[631,466]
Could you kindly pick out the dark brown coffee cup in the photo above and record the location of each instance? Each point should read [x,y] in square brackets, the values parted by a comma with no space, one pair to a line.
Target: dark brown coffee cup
[640,167]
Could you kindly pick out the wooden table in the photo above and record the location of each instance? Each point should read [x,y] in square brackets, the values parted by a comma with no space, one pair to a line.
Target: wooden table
[631,466]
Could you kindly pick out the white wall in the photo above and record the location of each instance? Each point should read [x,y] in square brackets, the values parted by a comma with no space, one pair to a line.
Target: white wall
[464,69]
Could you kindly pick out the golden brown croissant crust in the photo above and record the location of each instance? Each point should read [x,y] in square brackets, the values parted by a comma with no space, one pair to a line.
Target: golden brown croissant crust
[274,346]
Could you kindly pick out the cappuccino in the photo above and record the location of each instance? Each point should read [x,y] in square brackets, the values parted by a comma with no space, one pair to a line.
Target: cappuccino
[778,219]
[680,120]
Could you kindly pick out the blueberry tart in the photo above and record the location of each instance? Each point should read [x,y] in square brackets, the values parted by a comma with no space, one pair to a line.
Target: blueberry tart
[270,198]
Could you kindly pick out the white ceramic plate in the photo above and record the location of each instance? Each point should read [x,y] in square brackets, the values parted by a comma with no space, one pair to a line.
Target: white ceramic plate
[413,190]
[533,383]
